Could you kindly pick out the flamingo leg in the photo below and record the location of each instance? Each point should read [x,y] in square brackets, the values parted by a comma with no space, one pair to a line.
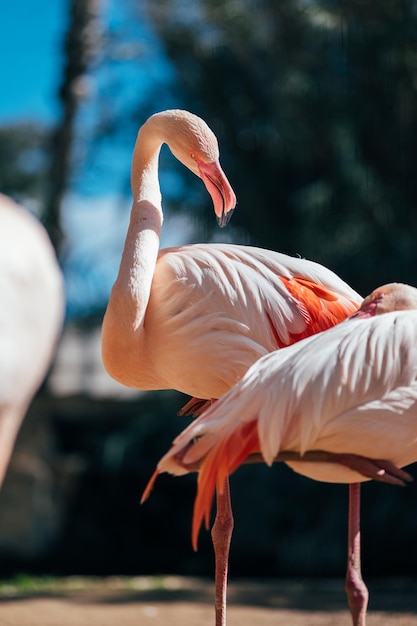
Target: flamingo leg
[221,535]
[356,590]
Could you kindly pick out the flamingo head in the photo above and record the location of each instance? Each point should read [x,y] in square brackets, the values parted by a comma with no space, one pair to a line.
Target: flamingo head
[390,297]
[195,145]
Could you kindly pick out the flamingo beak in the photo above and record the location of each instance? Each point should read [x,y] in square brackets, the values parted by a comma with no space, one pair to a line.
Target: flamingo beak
[219,188]
[368,307]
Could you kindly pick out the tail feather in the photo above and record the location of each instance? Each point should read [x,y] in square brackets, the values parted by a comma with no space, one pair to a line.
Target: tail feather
[222,460]
[149,486]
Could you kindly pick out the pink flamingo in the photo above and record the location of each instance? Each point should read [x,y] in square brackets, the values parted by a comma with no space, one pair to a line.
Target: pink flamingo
[331,406]
[31,316]
[194,318]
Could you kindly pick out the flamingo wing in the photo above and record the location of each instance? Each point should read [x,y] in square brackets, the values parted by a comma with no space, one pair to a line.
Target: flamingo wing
[217,299]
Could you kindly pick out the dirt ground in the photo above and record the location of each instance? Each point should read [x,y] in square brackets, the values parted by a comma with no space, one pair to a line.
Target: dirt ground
[172,601]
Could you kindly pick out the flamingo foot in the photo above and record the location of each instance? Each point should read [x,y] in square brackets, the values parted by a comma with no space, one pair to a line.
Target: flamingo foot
[356,589]
[357,595]
[221,534]
[195,407]
[377,469]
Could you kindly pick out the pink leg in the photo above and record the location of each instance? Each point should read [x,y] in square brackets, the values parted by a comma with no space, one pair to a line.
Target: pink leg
[356,590]
[221,534]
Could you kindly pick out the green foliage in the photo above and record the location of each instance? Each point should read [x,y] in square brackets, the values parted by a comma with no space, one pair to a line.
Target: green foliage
[314,106]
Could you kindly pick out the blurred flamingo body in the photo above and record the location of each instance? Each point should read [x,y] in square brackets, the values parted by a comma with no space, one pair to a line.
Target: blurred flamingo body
[349,391]
[194,318]
[31,316]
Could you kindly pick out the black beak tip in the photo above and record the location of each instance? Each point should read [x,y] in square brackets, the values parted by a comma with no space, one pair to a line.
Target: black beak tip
[225,218]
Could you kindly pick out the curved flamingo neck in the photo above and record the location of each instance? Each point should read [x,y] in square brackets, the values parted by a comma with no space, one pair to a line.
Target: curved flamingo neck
[138,262]
[123,323]
[144,172]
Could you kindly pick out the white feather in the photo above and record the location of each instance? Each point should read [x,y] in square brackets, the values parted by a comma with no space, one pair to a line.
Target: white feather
[351,389]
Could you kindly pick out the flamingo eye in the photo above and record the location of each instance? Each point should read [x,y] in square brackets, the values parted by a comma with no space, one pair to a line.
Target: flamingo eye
[193,155]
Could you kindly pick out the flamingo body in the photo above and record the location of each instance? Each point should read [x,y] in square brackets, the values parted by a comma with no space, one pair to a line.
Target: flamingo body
[352,389]
[215,309]
[31,314]
[194,318]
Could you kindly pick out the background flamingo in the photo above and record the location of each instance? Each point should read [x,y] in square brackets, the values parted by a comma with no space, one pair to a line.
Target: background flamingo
[194,318]
[31,316]
[349,391]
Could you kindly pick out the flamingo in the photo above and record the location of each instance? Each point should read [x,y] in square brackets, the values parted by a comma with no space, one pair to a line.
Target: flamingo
[31,316]
[194,318]
[332,406]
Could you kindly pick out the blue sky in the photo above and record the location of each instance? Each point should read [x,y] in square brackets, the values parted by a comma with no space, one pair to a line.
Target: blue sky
[30,48]
[135,70]
[31,39]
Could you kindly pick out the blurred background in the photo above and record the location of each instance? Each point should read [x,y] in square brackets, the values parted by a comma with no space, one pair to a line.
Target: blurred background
[314,104]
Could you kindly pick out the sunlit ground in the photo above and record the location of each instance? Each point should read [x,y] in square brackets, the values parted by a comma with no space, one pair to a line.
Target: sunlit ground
[177,601]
